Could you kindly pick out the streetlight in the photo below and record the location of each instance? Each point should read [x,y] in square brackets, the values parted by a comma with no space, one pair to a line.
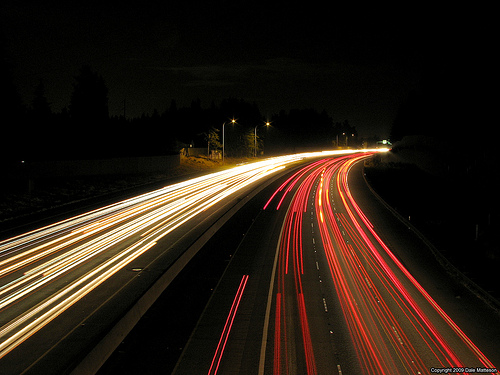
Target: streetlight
[233,121]
[255,139]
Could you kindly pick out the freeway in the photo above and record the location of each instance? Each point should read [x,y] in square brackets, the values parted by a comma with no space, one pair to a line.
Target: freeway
[314,289]
[64,286]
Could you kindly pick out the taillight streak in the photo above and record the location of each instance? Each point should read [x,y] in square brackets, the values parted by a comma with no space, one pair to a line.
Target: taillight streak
[374,300]
[214,366]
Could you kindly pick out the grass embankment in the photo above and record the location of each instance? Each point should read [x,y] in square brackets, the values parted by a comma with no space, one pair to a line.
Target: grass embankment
[445,209]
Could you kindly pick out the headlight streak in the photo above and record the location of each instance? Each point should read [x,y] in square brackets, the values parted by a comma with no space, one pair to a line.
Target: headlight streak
[118,233]
[392,320]
[37,322]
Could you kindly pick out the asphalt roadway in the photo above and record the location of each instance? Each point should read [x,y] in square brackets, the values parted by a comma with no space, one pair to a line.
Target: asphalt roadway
[71,290]
[256,320]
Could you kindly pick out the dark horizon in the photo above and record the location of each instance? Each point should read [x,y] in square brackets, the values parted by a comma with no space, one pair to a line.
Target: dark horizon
[354,65]
[381,69]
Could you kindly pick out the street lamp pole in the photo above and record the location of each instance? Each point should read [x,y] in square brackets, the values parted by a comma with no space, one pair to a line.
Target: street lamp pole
[255,142]
[232,121]
[255,139]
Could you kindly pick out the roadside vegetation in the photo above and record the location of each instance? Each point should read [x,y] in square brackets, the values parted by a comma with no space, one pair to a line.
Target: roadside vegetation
[453,208]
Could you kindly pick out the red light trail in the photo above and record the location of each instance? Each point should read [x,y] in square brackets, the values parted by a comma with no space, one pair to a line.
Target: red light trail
[214,367]
[50,272]
[394,324]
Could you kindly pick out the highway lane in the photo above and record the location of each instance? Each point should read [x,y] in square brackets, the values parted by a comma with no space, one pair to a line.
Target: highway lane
[394,324]
[338,299]
[53,279]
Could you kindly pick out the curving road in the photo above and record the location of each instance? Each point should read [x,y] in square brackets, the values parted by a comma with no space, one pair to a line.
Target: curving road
[313,289]
[394,324]
[63,286]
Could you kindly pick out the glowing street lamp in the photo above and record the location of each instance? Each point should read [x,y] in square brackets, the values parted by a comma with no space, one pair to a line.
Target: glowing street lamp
[233,121]
[255,139]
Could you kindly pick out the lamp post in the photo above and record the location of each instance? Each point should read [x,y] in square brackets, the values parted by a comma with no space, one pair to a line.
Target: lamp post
[255,139]
[233,121]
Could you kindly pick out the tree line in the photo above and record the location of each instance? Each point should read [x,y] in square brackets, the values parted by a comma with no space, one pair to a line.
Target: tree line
[85,129]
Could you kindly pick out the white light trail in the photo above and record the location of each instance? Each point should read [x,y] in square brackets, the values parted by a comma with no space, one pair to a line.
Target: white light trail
[101,242]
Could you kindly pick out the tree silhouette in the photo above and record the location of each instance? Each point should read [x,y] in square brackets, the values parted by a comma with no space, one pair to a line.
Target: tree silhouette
[212,138]
[40,106]
[305,128]
[90,116]
[89,100]
[12,110]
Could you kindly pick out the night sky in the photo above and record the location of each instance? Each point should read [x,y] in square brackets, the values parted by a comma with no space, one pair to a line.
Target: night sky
[356,63]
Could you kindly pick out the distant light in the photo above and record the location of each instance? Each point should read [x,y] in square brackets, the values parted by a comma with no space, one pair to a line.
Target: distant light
[384,142]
